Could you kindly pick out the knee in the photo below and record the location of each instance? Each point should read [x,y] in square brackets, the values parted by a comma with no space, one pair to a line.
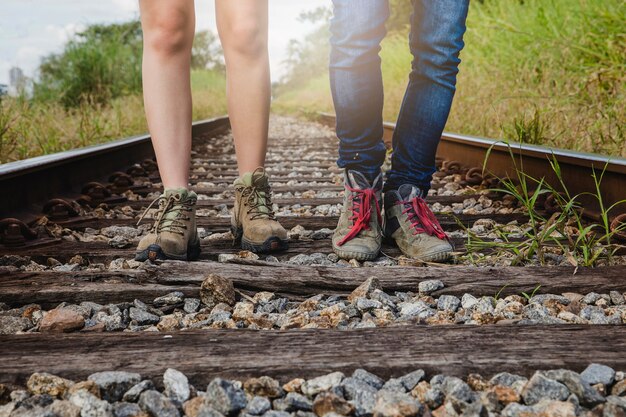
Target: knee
[244,38]
[437,60]
[169,34]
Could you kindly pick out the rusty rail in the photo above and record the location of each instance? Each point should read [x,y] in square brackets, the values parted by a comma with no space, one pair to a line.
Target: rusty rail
[576,167]
[41,178]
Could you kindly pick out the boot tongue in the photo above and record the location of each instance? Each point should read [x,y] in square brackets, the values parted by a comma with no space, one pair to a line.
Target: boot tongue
[182,194]
[259,180]
[408,192]
[359,181]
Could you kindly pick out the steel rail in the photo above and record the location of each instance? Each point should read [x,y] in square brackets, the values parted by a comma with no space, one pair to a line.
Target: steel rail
[506,157]
[23,183]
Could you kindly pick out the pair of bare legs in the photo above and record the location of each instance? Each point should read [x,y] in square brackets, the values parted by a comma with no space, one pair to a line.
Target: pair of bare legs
[169,27]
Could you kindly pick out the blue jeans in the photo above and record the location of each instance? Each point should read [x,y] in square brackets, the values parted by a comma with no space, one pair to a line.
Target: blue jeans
[436,39]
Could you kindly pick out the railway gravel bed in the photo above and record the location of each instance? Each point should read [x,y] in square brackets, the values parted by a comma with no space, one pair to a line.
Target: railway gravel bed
[598,390]
[220,307]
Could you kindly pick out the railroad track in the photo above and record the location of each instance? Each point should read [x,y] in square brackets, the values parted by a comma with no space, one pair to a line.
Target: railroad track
[74,302]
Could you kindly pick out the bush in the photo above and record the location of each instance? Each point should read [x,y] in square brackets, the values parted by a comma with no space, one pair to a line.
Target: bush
[98,65]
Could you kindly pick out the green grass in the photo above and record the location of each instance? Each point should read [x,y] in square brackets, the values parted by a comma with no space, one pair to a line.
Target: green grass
[539,71]
[33,128]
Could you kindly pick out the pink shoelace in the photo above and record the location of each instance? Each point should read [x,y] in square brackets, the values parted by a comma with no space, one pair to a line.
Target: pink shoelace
[422,218]
[362,212]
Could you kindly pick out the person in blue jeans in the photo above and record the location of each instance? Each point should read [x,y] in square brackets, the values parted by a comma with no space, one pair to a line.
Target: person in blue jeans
[436,39]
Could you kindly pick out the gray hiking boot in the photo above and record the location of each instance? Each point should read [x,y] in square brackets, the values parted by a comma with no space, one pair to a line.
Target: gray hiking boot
[359,232]
[413,226]
[174,234]
[253,221]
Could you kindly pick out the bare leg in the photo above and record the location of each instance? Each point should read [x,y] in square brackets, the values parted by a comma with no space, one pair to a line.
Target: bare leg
[243,27]
[168,27]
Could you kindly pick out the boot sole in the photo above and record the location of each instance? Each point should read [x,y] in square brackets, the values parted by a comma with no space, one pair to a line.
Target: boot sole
[155,252]
[359,256]
[271,244]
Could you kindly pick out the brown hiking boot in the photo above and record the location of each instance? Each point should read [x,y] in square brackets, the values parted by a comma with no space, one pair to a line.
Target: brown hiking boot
[174,234]
[359,232]
[411,223]
[253,221]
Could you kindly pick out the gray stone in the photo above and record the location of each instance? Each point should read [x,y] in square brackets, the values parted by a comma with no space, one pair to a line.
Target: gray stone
[395,385]
[360,394]
[591,298]
[274,413]
[517,410]
[258,405]
[417,309]
[542,298]
[321,383]
[123,231]
[576,385]
[142,317]
[618,401]
[617,298]
[114,384]
[207,411]
[36,401]
[12,325]
[594,314]
[132,395]
[225,397]
[535,311]
[448,303]
[484,306]
[191,305]
[506,379]
[539,387]
[90,405]
[157,404]
[124,409]
[113,322]
[176,386]
[365,304]
[369,378]
[430,286]
[63,408]
[598,374]
[412,379]
[293,402]
[468,301]
[456,388]
[117,242]
[170,299]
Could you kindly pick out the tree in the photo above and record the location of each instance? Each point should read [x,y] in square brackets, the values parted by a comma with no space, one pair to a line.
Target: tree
[207,52]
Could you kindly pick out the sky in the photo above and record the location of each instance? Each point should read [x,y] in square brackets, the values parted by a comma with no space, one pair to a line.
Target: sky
[32,29]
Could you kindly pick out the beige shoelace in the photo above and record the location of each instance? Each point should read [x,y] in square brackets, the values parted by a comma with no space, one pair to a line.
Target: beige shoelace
[167,204]
[259,201]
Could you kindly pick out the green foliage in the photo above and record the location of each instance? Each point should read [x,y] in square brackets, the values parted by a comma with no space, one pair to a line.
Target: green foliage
[539,71]
[99,64]
[530,295]
[565,232]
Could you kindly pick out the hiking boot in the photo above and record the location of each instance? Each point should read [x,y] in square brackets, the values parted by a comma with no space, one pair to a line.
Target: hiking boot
[413,226]
[174,234]
[359,232]
[253,221]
